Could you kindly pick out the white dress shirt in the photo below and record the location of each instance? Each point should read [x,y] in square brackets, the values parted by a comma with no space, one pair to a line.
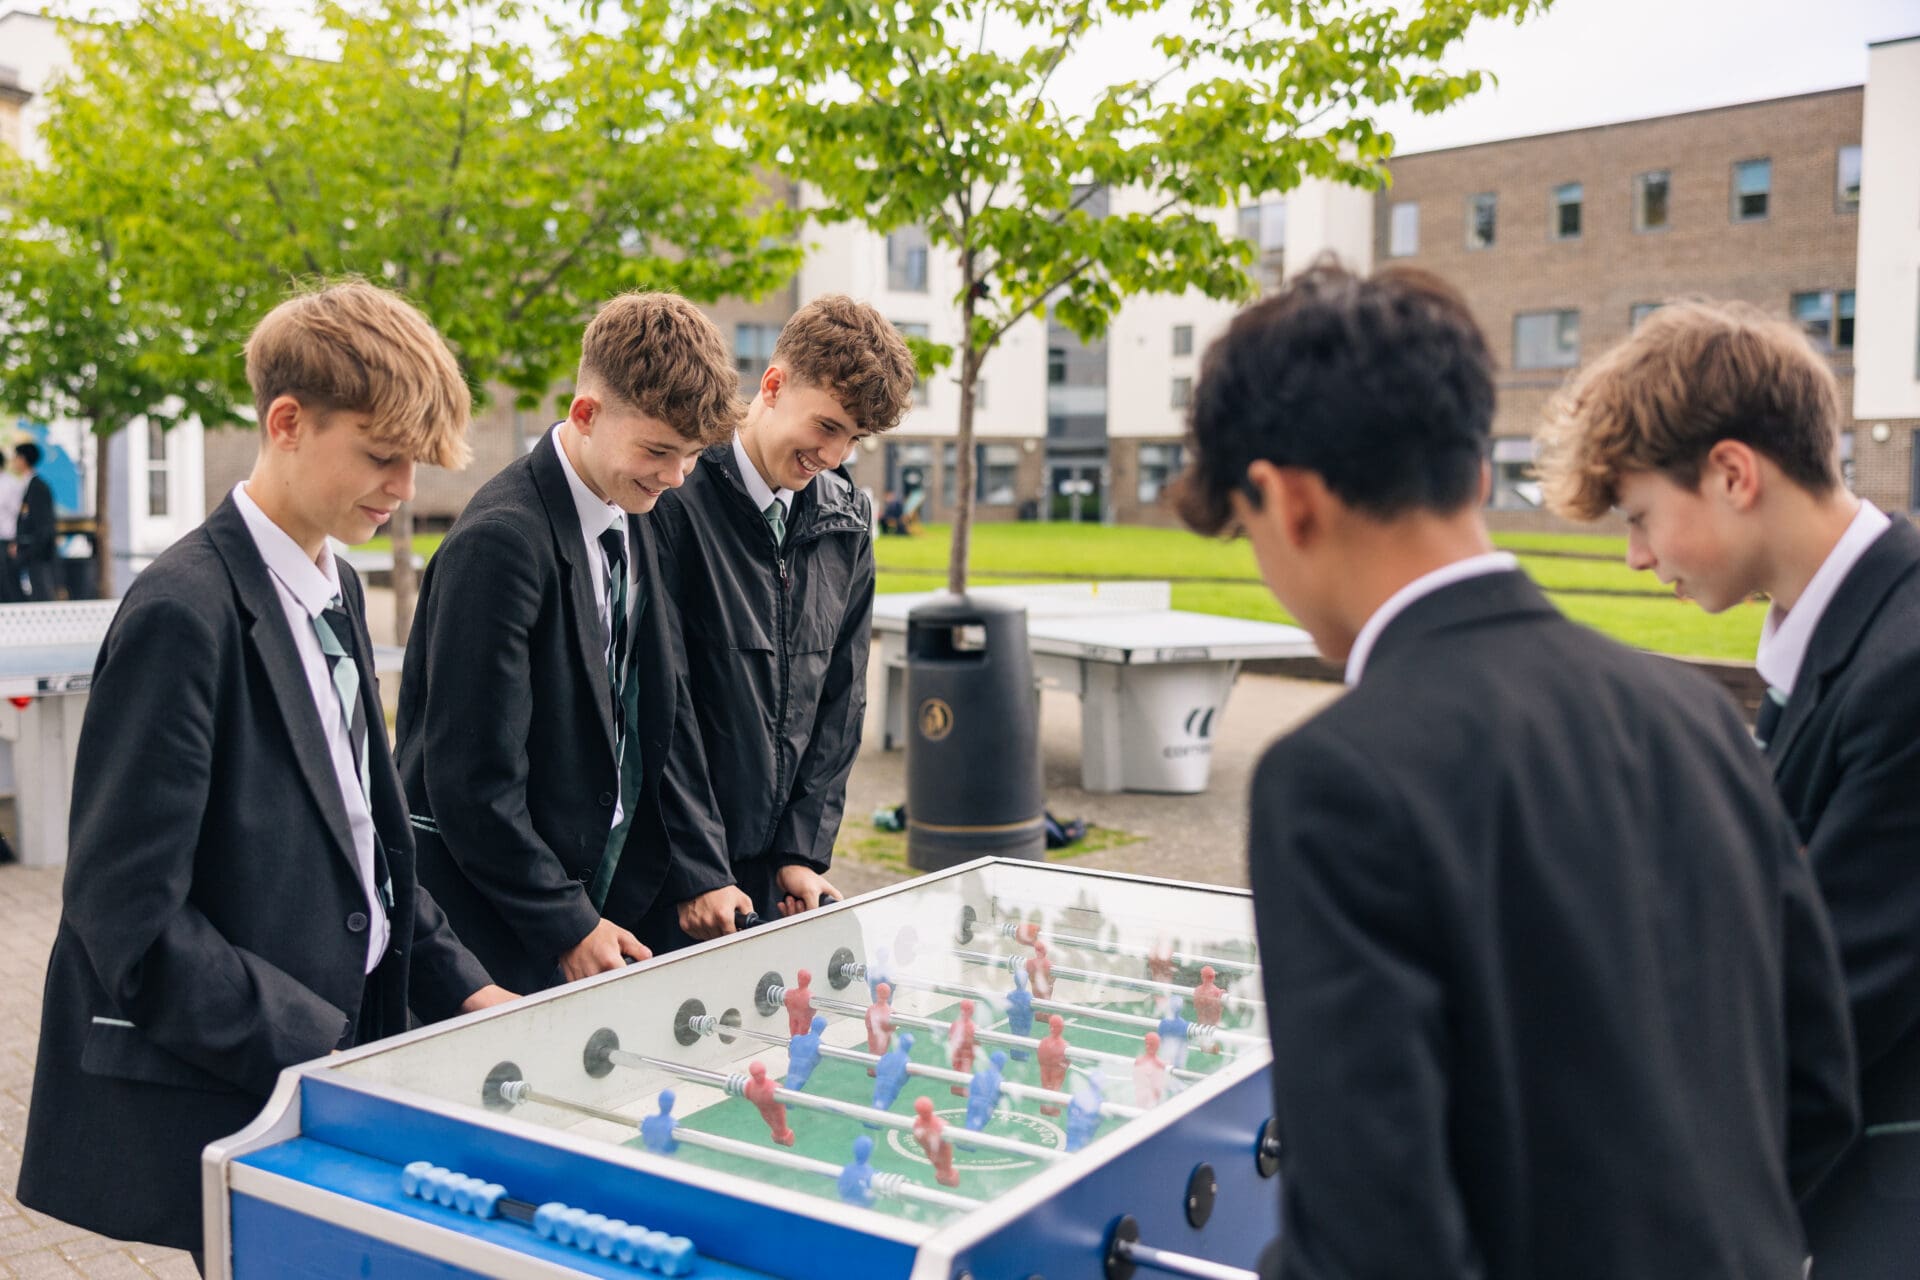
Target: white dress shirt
[597,515]
[1785,633]
[1425,585]
[759,490]
[306,589]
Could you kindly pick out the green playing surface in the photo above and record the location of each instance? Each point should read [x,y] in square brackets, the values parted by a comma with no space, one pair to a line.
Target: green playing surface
[984,1175]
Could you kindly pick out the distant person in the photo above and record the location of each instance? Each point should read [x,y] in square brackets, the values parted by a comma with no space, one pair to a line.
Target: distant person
[893,515]
[31,550]
[1715,431]
[13,487]
[240,894]
[1550,989]
[768,550]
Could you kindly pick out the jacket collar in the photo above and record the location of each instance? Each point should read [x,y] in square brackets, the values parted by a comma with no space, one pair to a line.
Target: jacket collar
[1474,601]
[828,505]
[1892,558]
[267,632]
[563,518]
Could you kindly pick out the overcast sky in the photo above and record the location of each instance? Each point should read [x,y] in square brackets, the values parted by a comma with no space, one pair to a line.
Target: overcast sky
[1599,61]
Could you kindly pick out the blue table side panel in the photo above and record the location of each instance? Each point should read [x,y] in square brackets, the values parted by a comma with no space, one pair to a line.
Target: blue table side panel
[377,1183]
[1065,1236]
[780,1242]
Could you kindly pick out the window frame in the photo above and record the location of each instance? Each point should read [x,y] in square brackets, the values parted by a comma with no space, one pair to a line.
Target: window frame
[1734,192]
[1640,224]
[1412,226]
[1492,199]
[1557,315]
[1841,204]
[1557,204]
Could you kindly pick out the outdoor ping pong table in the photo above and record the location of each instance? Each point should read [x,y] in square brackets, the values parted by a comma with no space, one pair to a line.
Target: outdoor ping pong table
[1152,680]
[47,653]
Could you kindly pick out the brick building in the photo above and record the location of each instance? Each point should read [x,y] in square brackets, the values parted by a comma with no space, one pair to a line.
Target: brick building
[1562,241]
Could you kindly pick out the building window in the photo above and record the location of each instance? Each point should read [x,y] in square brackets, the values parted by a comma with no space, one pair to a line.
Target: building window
[907,260]
[1264,226]
[1846,460]
[922,394]
[949,473]
[1752,185]
[1650,191]
[1640,311]
[1159,464]
[753,352]
[1183,339]
[996,473]
[1514,488]
[1546,340]
[1056,366]
[157,504]
[1403,229]
[979,394]
[1182,392]
[1846,186]
[907,467]
[1482,215]
[1566,211]
[1826,317]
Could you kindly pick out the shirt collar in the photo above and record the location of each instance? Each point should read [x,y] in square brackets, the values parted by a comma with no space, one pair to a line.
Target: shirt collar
[1424,585]
[1785,634]
[596,514]
[313,586]
[759,490]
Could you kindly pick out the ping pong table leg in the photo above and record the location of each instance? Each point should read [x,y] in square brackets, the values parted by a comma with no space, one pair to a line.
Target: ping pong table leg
[1101,757]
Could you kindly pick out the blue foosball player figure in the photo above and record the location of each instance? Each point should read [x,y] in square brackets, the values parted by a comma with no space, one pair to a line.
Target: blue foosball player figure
[1173,1034]
[1020,1011]
[803,1054]
[879,970]
[656,1131]
[1083,1113]
[984,1092]
[856,1179]
[891,1075]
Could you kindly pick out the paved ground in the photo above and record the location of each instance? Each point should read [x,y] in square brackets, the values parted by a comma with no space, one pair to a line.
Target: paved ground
[1181,837]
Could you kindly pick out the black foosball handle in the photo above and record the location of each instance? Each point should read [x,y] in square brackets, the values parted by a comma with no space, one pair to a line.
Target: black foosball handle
[745,920]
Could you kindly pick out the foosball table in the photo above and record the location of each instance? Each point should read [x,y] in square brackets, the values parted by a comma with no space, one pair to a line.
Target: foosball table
[1003,1070]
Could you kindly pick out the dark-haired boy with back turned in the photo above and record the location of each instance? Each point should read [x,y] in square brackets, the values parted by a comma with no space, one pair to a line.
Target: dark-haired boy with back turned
[240,892]
[1550,990]
[1715,430]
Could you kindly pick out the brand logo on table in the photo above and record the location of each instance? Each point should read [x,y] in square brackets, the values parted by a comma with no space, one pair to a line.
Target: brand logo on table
[1199,725]
[1035,1129]
[936,719]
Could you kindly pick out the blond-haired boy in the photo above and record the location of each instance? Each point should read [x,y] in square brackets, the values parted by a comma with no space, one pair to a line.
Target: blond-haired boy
[543,691]
[240,893]
[1715,430]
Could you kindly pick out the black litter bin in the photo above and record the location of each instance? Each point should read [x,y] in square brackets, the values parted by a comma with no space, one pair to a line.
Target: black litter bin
[973,749]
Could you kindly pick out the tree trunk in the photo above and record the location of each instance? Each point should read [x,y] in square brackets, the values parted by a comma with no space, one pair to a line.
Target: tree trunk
[963,440]
[406,585]
[102,522]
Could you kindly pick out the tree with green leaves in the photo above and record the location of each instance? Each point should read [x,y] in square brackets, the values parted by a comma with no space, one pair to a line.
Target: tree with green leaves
[506,168]
[948,114]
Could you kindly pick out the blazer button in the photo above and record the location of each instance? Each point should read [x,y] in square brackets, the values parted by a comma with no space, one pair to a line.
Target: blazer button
[606,798]
[357,922]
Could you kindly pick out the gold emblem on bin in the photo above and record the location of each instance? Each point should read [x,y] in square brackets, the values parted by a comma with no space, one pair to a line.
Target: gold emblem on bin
[936,719]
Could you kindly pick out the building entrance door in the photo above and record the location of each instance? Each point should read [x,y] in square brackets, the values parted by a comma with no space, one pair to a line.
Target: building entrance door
[1076,492]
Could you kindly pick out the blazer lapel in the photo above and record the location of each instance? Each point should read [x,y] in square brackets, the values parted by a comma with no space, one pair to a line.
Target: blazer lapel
[1886,562]
[590,638]
[274,643]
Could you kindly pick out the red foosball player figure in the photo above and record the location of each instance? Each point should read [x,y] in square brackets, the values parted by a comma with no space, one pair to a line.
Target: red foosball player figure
[1160,960]
[1208,999]
[1052,1053]
[799,1002]
[1027,934]
[759,1092]
[1149,1073]
[1040,972]
[880,1021]
[960,1044]
[927,1128]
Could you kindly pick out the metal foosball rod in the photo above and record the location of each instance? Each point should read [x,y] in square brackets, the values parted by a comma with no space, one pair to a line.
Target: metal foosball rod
[1095,1057]
[992,961]
[1026,933]
[1199,1035]
[893,1185]
[709,1024]
[735,1085]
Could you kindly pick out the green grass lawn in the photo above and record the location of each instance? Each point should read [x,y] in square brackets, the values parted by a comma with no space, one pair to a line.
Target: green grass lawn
[1645,614]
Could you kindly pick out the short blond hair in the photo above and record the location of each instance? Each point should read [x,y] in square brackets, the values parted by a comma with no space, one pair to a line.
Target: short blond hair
[356,348]
[854,354]
[1693,374]
[661,355]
